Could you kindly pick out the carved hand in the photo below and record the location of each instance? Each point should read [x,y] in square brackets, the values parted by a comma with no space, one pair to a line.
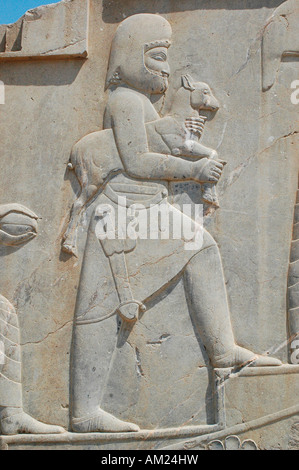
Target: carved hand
[207,171]
[18,224]
[196,125]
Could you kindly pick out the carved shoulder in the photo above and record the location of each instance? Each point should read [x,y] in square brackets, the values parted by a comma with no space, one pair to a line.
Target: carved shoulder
[125,101]
[123,104]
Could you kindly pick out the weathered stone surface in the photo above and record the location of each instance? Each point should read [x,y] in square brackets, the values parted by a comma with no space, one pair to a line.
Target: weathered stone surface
[144,344]
[57,30]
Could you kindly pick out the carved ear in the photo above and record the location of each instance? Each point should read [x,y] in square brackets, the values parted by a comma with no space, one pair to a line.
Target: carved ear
[187,81]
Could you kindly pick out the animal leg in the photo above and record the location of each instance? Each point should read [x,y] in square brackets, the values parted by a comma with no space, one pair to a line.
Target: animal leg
[209,194]
[70,236]
[191,148]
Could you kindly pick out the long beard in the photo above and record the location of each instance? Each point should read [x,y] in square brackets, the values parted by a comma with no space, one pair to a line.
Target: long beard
[148,81]
[153,83]
[158,83]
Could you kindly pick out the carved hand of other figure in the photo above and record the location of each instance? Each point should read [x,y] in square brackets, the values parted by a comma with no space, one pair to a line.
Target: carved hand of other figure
[196,125]
[18,225]
[207,171]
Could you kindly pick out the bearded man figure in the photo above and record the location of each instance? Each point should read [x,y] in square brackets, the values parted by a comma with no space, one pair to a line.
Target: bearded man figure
[117,275]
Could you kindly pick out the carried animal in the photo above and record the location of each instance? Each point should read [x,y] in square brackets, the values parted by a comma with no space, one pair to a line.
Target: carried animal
[95,158]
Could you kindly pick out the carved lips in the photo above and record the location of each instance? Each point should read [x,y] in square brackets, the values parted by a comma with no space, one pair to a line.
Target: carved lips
[18,224]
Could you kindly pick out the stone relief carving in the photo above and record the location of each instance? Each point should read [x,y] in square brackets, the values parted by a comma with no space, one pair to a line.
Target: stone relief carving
[232,443]
[294,437]
[18,225]
[96,158]
[280,40]
[123,285]
[280,43]
[225,385]
[293,285]
[18,40]
[133,161]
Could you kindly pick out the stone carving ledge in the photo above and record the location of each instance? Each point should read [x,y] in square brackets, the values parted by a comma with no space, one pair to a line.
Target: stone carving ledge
[55,31]
[184,438]
[227,381]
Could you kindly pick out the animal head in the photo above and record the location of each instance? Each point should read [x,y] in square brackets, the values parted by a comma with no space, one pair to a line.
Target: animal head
[201,97]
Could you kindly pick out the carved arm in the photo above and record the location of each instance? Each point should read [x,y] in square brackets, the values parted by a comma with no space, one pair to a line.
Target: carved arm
[131,140]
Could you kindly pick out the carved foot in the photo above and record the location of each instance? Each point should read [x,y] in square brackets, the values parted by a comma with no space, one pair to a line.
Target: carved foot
[243,357]
[18,422]
[102,422]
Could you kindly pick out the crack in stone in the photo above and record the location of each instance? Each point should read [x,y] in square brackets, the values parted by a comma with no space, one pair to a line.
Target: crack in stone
[47,336]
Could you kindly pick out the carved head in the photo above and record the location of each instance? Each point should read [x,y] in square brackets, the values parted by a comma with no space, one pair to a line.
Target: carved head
[139,51]
[18,225]
[202,97]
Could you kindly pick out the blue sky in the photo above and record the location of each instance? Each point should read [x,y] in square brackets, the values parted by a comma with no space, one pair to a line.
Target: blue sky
[11,10]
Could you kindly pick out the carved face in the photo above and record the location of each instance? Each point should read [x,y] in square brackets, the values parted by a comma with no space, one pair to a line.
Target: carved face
[156,62]
[18,225]
[138,55]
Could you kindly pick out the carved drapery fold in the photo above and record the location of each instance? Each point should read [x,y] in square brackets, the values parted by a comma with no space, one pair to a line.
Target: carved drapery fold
[293,285]
[10,360]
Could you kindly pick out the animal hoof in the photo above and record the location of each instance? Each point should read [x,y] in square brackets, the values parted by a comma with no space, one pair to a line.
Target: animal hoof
[216,204]
[208,200]
[211,201]
[70,249]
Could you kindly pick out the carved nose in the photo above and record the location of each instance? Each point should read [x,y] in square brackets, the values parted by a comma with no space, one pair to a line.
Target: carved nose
[166,70]
[214,105]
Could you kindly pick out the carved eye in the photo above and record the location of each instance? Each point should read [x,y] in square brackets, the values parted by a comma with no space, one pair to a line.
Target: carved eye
[161,57]
[206,92]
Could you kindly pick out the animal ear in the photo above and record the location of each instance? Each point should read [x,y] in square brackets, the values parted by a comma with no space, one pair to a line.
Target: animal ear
[187,81]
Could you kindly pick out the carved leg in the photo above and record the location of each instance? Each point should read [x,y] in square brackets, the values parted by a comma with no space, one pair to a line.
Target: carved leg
[70,236]
[13,420]
[209,190]
[206,293]
[94,344]
[16,421]
[209,194]
[93,347]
